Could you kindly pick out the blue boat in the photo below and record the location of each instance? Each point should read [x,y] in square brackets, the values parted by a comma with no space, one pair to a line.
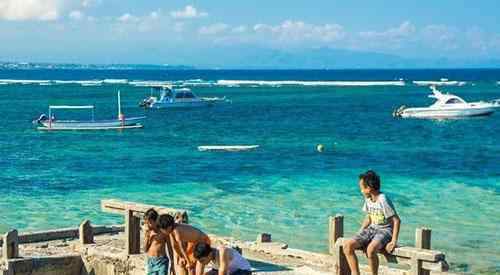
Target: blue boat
[178,98]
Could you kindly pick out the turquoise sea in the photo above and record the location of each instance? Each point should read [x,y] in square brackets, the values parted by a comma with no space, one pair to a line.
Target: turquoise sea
[440,174]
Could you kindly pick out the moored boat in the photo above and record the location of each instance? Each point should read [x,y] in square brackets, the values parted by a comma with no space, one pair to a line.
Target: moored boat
[49,122]
[447,106]
[229,148]
[178,98]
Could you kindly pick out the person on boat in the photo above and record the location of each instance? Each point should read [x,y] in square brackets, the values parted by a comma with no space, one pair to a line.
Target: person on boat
[184,238]
[225,260]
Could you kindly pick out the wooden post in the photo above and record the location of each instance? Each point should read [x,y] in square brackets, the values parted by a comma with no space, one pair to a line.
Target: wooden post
[264,238]
[336,228]
[132,233]
[86,233]
[336,231]
[423,241]
[10,247]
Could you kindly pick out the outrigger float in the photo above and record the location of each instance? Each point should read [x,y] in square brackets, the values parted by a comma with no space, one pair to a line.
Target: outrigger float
[49,122]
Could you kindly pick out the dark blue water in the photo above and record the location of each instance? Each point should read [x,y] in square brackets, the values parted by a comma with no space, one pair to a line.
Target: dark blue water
[481,75]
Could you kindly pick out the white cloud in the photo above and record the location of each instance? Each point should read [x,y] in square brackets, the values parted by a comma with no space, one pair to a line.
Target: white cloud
[127,17]
[187,13]
[154,15]
[404,30]
[178,27]
[76,15]
[299,31]
[239,29]
[213,29]
[90,3]
[440,37]
[45,10]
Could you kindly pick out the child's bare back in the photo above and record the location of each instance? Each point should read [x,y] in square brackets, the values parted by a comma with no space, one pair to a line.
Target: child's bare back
[188,233]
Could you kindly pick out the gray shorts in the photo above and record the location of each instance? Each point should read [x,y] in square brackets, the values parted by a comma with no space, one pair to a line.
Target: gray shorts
[383,235]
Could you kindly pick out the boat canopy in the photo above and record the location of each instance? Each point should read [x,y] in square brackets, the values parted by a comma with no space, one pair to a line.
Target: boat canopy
[71,107]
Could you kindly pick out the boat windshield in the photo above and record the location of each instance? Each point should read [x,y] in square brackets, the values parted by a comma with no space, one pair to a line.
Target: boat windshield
[184,95]
[453,101]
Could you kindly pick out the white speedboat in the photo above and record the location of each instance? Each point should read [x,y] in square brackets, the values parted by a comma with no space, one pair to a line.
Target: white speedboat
[50,123]
[448,106]
[178,98]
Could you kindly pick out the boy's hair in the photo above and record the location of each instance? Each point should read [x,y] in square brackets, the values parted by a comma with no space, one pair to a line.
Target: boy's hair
[165,221]
[151,214]
[202,250]
[371,179]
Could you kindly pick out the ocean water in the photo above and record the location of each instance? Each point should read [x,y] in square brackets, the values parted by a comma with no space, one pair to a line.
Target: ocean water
[440,174]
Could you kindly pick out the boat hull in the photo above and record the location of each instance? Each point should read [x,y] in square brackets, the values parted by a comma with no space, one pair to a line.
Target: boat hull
[446,113]
[180,105]
[128,123]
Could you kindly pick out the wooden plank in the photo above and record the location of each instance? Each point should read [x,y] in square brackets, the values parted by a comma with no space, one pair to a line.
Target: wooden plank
[119,207]
[423,238]
[10,249]
[264,238]
[85,233]
[341,267]
[65,233]
[336,231]
[107,229]
[415,253]
[132,233]
[423,241]
[49,235]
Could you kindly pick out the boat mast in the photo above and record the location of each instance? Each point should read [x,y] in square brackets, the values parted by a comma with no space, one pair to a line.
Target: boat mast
[50,117]
[120,115]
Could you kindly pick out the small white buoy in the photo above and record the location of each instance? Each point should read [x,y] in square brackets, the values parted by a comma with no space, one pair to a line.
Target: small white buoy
[320,148]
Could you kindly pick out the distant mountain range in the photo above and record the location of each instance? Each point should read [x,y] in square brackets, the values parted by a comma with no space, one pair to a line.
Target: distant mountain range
[327,58]
[253,57]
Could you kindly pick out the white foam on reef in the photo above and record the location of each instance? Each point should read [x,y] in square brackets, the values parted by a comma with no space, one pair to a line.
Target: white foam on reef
[80,82]
[196,82]
[236,83]
[148,83]
[23,81]
[115,81]
[442,82]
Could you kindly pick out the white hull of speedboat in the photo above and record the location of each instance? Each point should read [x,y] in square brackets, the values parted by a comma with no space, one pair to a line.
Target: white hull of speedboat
[446,113]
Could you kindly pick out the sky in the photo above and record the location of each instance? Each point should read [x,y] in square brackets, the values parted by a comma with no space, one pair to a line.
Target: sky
[184,32]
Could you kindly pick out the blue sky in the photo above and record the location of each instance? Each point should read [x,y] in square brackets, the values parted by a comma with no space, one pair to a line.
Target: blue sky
[154,31]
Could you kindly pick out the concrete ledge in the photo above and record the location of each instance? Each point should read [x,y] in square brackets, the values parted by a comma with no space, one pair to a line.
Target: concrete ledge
[51,265]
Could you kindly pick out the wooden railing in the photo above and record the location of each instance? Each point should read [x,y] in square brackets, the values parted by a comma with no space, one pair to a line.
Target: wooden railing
[420,259]
[85,233]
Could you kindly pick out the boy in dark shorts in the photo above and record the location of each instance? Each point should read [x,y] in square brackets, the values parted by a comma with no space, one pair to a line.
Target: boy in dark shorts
[380,228]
